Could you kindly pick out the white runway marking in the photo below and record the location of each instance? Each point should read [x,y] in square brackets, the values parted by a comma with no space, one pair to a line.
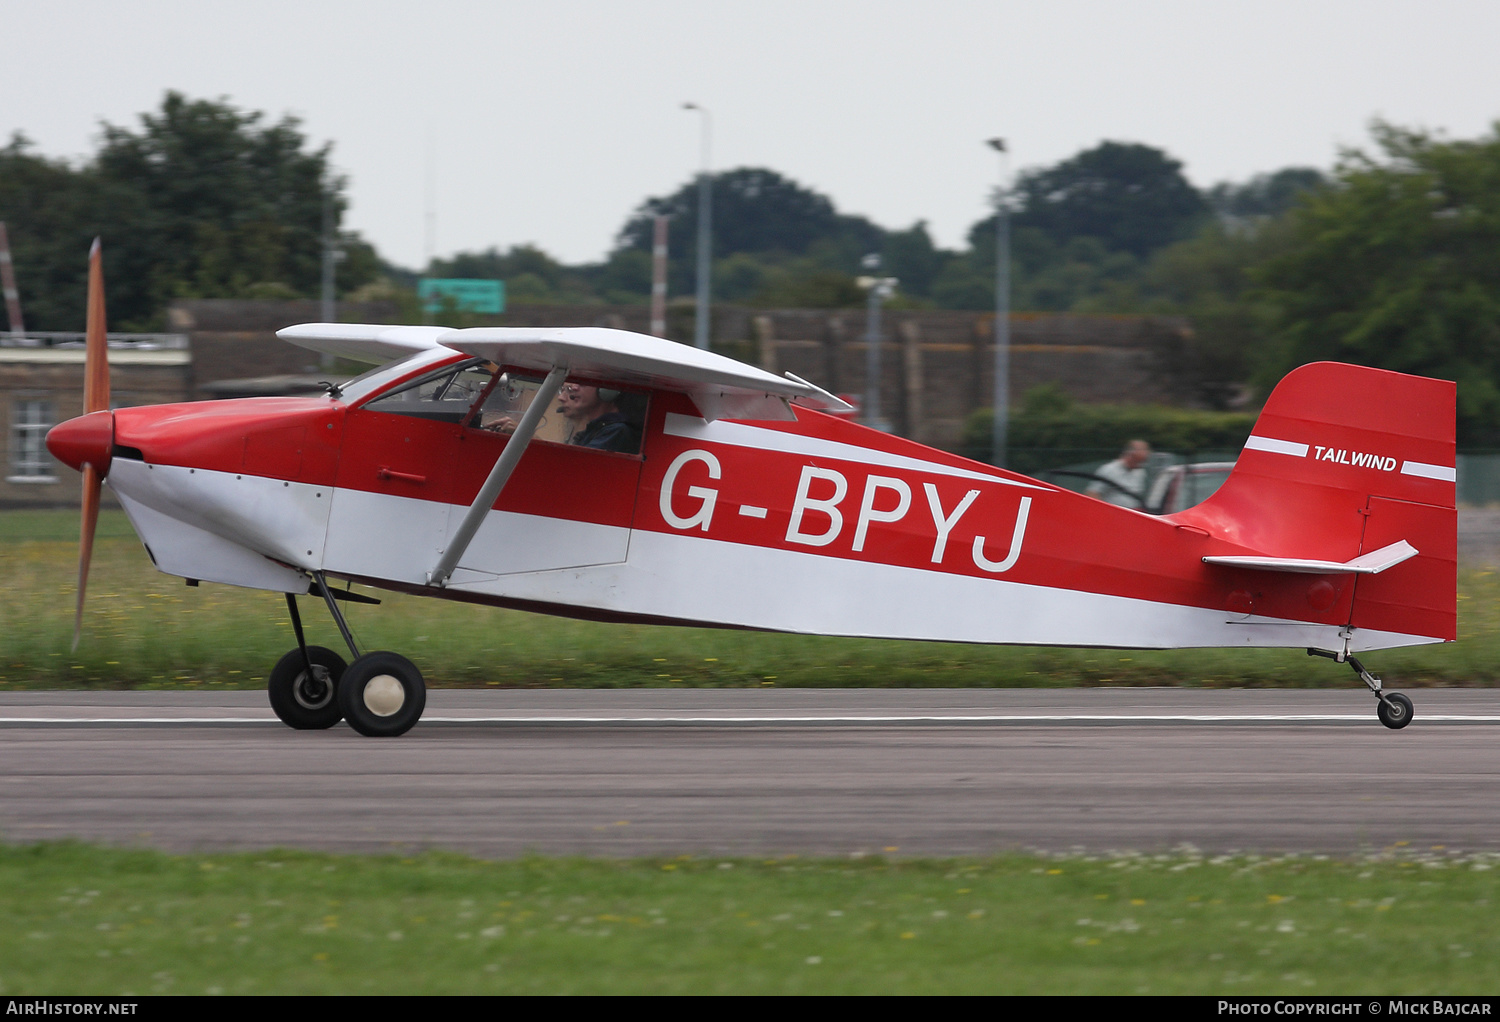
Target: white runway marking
[883,720]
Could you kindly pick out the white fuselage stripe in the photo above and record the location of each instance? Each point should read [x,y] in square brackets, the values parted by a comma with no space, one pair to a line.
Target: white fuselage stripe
[1296,450]
[1426,471]
[756,438]
[1274,446]
[665,577]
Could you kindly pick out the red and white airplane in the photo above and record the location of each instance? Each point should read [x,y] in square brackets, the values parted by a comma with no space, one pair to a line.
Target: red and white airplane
[730,499]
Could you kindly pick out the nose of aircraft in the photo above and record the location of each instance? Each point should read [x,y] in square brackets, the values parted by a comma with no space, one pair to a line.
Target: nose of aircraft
[88,439]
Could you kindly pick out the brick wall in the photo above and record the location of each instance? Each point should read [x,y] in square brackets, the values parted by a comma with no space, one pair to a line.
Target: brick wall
[936,366]
[235,339]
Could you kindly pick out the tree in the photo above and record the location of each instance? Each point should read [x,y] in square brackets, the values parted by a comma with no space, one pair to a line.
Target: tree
[201,200]
[48,208]
[1265,195]
[1131,197]
[1208,279]
[534,276]
[1081,232]
[756,212]
[1395,266]
[224,206]
[912,258]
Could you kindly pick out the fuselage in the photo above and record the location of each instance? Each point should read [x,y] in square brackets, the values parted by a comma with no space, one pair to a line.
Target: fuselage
[814,525]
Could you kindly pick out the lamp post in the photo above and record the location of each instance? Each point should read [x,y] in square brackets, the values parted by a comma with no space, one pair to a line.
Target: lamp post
[330,258]
[705,250]
[1002,312]
[878,289]
[659,277]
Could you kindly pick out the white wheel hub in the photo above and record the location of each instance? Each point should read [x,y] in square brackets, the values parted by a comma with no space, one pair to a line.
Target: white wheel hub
[384,695]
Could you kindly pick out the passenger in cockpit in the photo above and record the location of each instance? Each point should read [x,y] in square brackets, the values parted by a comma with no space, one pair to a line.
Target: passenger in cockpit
[596,418]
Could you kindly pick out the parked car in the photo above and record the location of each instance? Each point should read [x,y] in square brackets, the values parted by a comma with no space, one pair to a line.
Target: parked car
[1183,486]
[1171,486]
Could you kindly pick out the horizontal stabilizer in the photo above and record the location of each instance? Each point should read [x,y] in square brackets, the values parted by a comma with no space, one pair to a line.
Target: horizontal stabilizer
[1372,563]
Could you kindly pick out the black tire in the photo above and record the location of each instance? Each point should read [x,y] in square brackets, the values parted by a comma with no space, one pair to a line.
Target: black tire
[1395,711]
[307,705]
[382,695]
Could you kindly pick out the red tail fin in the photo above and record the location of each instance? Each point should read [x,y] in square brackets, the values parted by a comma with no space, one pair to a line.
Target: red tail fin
[1345,460]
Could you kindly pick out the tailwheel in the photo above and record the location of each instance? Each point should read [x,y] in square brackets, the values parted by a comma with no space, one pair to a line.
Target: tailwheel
[307,701]
[382,695]
[1394,710]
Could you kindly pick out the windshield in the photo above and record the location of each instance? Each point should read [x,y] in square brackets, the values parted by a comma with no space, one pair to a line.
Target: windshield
[445,393]
[373,380]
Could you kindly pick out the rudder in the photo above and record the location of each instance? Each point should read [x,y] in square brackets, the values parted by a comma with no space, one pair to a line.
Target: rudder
[1345,460]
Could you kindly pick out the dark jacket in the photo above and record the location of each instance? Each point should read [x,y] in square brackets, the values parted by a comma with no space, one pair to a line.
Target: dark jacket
[610,432]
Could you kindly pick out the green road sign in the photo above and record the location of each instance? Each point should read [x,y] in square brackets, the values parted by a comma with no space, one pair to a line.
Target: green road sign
[464,294]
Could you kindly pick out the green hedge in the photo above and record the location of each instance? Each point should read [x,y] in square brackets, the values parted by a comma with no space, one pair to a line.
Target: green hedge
[1049,429]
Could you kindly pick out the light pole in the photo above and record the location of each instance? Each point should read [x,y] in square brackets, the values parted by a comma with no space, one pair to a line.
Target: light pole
[878,290]
[330,257]
[1002,312]
[705,235]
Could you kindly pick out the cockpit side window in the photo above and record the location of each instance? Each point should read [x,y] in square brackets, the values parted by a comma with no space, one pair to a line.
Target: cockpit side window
[476,394]
[599,418]
[445,395]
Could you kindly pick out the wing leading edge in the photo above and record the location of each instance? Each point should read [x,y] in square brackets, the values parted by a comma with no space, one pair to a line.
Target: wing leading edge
[364,342]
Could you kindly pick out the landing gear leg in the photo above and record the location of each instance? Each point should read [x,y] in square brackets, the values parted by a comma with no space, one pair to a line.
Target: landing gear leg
[303,684]
[380,695]
[1393,708]
[333,608]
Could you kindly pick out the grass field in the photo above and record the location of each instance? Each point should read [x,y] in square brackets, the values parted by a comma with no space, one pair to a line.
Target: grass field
[147,630]
[82,920]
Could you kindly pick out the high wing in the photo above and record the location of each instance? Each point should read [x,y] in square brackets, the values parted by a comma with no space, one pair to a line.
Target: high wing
[364,342]
[720,387]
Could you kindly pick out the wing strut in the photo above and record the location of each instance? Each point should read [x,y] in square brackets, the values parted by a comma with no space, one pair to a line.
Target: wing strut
[504,466]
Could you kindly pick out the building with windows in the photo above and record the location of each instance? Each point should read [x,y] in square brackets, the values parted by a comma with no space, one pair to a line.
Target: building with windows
[41,384]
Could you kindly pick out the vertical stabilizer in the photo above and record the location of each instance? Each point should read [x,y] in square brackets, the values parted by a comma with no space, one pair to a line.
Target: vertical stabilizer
[1345,460]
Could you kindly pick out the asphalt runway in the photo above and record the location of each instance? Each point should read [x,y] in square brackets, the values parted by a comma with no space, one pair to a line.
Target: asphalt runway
[762,772]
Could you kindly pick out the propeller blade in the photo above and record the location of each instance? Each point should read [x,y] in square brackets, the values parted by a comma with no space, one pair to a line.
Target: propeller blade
[95,399]
[91,483]
[96,356]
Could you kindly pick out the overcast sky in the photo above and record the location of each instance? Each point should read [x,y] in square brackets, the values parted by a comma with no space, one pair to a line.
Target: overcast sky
[548,122]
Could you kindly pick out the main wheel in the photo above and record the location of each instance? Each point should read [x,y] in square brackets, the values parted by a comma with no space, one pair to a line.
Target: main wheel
[1395,711]
[307,703]
[382,695]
